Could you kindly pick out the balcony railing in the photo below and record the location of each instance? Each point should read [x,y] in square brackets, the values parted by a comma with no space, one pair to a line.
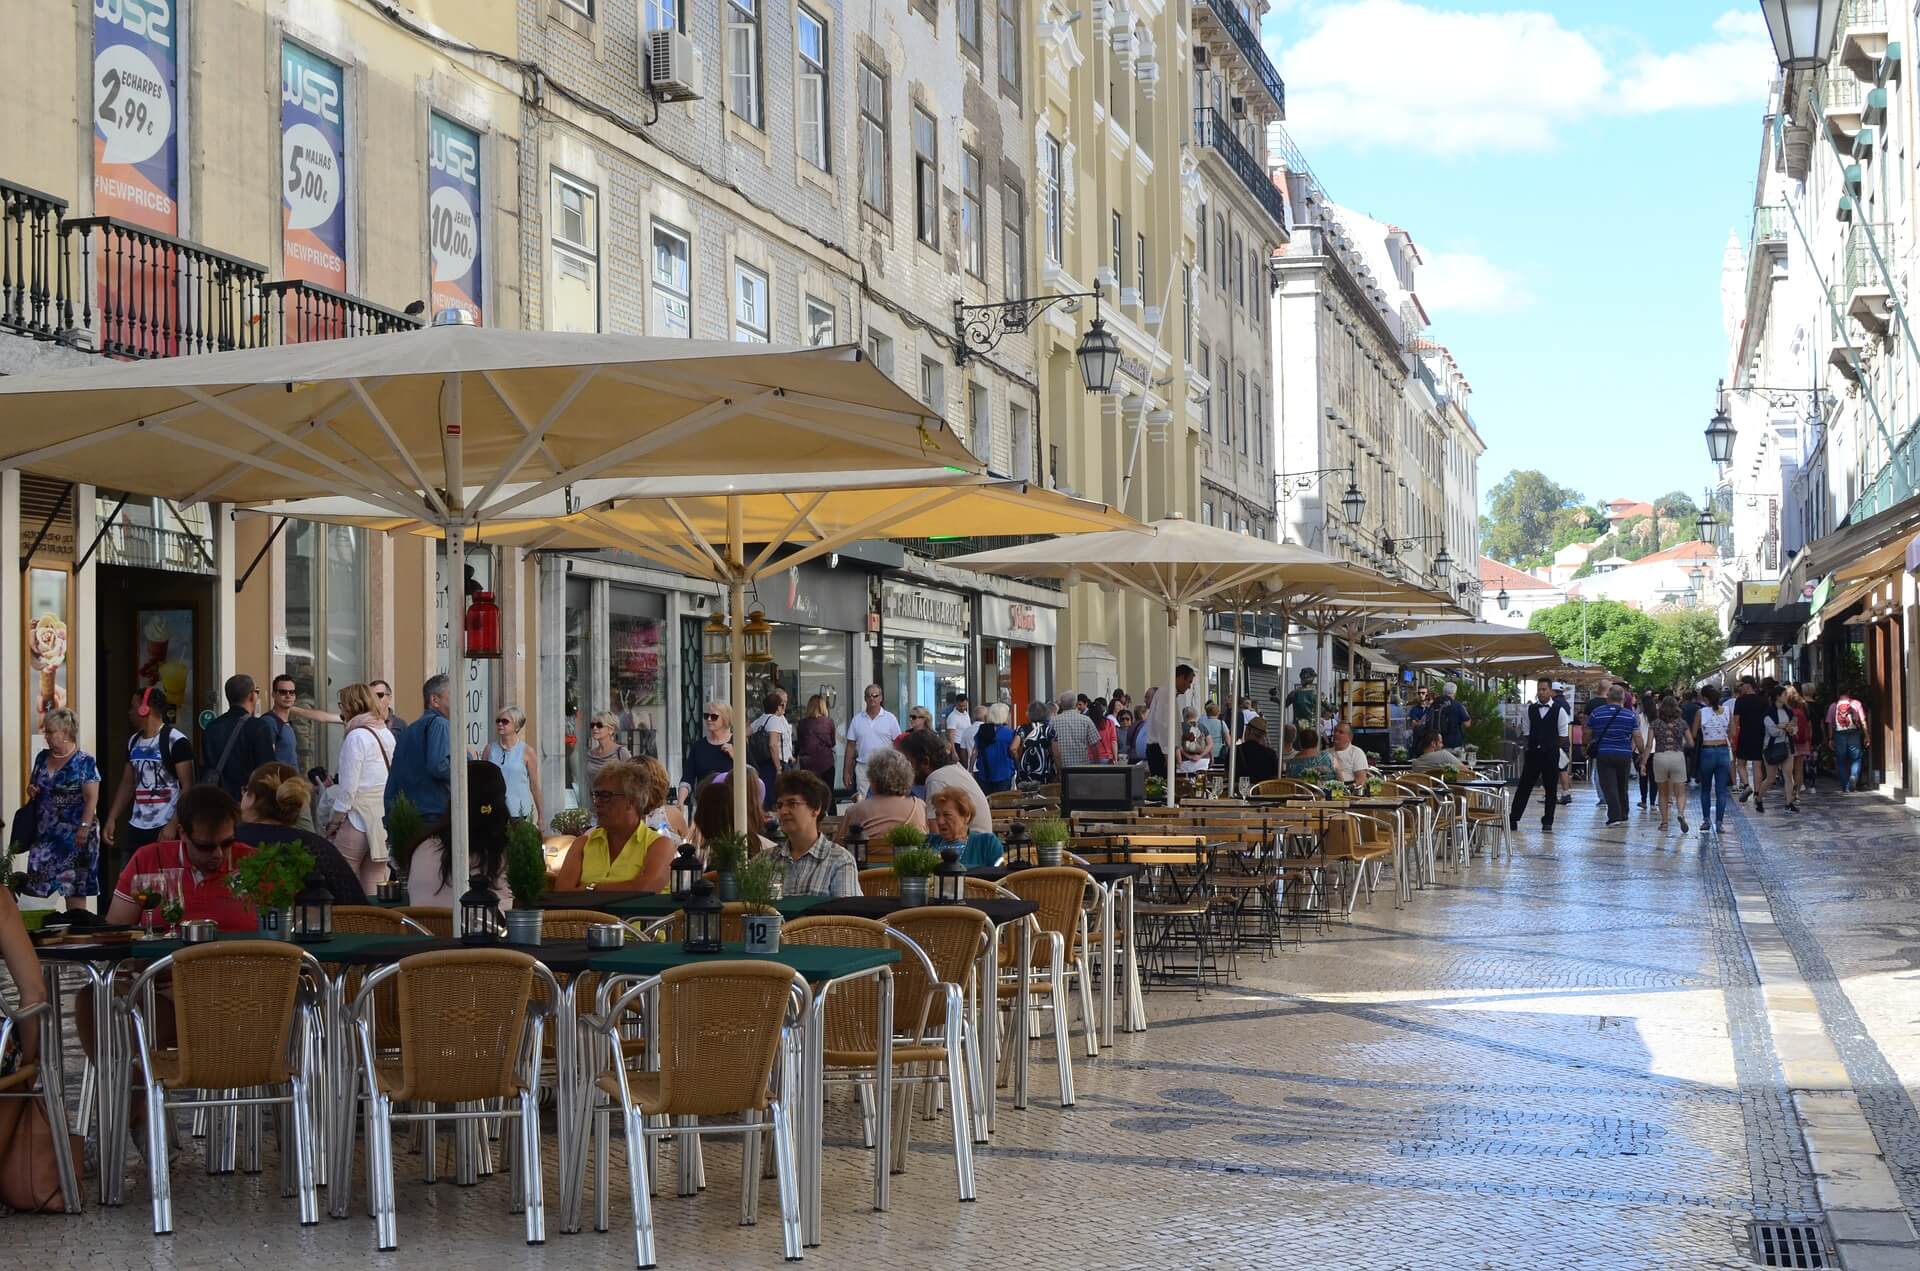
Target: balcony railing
[292,312]
[150,547]
[1770,226]
[145,294]
[948,548]
[1871,14]
[1858,270]
[30,272]
[1210,130]
[1243,36]
[1253,626]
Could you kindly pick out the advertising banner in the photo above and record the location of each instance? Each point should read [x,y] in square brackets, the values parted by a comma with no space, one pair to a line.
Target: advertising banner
[136,163]
[453,217]
[313,168]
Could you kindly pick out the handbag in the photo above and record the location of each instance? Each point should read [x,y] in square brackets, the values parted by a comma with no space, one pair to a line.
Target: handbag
[29,1171]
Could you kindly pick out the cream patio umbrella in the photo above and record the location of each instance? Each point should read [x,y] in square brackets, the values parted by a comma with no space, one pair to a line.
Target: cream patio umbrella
[736,533]
[1479,646]
[405,422]
[1180,565]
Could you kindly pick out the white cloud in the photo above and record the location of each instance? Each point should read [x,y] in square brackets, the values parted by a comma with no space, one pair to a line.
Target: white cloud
[1394,73]
[1463,282]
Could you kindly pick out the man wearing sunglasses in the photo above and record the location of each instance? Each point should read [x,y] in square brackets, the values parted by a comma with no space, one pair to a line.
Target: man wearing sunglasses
[205,855]
[869,732]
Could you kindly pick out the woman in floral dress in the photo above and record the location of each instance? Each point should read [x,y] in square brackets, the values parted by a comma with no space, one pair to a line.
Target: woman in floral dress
[66,842]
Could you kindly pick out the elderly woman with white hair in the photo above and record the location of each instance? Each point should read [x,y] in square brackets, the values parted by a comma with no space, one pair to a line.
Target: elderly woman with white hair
[996,749]
[514,756]
[63,796]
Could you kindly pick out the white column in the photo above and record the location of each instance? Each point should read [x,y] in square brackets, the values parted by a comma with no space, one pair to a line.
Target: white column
[226,634]
[82,682]
[13,733]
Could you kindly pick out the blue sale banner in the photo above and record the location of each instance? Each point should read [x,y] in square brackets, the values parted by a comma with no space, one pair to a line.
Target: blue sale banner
[136,161]
[453,217]
[313,167]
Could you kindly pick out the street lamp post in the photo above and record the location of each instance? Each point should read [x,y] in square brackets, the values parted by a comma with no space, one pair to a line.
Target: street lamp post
[1802,31]
[978,328]
[1291,485]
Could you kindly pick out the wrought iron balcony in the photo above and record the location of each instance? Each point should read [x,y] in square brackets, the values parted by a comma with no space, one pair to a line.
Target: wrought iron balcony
[150,547]
[1770,226]
[1863,288]
[1211,132]
[145,294]
[31,277]
[292,312]
[1234,23]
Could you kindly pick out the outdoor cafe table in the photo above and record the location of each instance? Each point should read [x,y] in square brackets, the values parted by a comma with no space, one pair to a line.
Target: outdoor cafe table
[1115,881]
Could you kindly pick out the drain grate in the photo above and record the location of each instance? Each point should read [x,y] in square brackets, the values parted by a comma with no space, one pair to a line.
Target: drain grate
[1790,1244]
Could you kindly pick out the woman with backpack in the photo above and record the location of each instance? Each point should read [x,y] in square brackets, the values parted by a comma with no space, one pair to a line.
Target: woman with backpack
[993,750]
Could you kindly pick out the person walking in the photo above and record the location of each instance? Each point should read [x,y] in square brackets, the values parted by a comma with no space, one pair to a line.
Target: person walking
[993,750]
[358,830]
[1816,737]
[1074,735]
[235,744]
[1712,737]
[1689,707]
[1612,728]
[1667,762]
[814,737]
[1847,721]
[158,767]
[1035,747]
[63,798]
[1164,710]
[1643,747]
[1450,718]
[1799,730]
[422,767]
[1216,727]
[279,721]
[518,762]
[1547,748]
[770,738]
[603,745]
[712,752]
[959,726]
[870,731]
[1105,748]
[1750,711]
[1304,700]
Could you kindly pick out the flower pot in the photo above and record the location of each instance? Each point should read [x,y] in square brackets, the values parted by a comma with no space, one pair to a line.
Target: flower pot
[729,888]
[913,891]
[523,926]
[1051,854]
[762,932]
[276,924]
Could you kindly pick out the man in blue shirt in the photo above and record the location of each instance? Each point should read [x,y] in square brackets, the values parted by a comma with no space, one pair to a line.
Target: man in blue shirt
[1450,718]
[423,757]
[1610,731]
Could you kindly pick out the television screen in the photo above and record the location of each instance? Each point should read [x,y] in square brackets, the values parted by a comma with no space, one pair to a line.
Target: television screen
[1102,787]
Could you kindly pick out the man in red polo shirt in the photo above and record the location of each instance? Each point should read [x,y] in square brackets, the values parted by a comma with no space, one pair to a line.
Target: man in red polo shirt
[208,817]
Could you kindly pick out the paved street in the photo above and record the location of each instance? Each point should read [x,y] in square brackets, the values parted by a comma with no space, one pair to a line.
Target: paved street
[1536,1065]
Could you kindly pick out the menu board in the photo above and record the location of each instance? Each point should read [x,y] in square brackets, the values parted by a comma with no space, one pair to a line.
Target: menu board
[1367,703]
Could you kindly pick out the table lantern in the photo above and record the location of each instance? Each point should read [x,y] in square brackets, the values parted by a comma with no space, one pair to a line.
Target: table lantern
[758,636]
[703,910]
[483,626]
[686,871]
[717,638]
[856,843]
[313,910]
[949,878]
[479,913]
[1017,841]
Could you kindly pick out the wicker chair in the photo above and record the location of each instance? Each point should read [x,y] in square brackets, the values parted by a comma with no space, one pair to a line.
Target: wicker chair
[471,1027]
[432,919]
[722,1031]
[376,920]
[932,986]
[42,1082]
[247,1021]
[1060,952]
[1287,787]
[879,882]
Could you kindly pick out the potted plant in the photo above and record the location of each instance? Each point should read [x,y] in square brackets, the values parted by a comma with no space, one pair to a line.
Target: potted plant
[726,853]
[761,923]
[913,866]
[1156,789]
[572,821]
[902,837]
[1400,754]
[269,879]
[405,828]
[1376,785]
[1049,840]
[527,880]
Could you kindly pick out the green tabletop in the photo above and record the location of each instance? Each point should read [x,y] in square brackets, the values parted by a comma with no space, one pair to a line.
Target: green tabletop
[643,904]
[818,963]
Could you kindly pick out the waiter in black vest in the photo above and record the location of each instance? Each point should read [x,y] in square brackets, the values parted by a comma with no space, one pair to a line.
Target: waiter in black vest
[1549,734]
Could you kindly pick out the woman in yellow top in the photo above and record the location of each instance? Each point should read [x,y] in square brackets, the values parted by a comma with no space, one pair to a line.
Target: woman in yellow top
[623,793]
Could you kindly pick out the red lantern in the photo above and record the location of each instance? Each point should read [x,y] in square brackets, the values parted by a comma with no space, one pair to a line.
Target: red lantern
[483,626]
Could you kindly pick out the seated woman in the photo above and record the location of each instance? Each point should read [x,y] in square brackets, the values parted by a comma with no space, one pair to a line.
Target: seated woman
[430,878]
[271,806]
[204,854]
[1307,763]
[624,793]
[952,818]
[23,968]
[1254,760]
[713,816]
[889,802]
[1429,754]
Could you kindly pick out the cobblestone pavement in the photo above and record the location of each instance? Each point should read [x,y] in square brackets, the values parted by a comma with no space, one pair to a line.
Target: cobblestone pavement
[1556,1061]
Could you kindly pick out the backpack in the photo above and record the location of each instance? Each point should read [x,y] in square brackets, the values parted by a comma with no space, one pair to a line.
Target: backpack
[760,749]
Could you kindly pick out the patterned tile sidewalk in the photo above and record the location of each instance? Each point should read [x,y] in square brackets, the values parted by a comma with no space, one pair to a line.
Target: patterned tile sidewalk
[1541,1063]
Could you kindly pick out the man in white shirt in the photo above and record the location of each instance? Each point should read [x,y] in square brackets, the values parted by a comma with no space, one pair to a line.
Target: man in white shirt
[1158,722]
[869,732]
[959,727]
[1349,761]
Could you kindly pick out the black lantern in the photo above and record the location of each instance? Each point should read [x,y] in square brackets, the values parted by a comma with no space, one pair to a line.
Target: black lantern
[1720,437]
[1442,562]
[686,871]
[717,638]
[313,910]
[757,638]
[856,843]
[479,913]
[1500,599]
[1099,355]
[1706,523]
[702,912]
[949,878]
[1353,502]
[1017,841]
[1802,31]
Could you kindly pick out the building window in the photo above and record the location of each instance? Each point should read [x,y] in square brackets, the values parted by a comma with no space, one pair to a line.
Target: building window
[1140,265]
[1239,278]
[1220,245]
[1206,512]
[811,35]
[1020,435]
[743,59]
[665,15]
[1204,364]
[1116,251]
[1222,384]
[1013,241]
[1010,47]
[1259,426]
[672,282]
[580,6]
[751,323]
[1240,407]
[1200,256]
[933,384]
[880,349]
[980,422]
[576,256]
[972,214]
[1050,196]
[1186,313]
[820,322]
[967,19]
[926,178]
[873,138]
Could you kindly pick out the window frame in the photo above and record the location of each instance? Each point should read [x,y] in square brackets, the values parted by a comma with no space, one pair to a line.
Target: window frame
[980,421]
[876,169]
[820,74]
[1239,276]
[656,288]
[744,273]
[646,15]
[933,384]
[1007,20]
[755,114]
[1205,362]
[1200,255]
[1117,250]
[587,254]
[1053,200]
[1013,240]
[973,213]
[582,7]
[880,350]
[810,305]
[966,14]
[926,176]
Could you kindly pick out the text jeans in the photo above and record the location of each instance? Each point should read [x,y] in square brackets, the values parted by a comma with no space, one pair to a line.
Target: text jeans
[1613,784]
[1716,779]
[1848,756]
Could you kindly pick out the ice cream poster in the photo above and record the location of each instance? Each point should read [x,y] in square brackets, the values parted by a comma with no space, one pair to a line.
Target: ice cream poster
[47,643]
[164,645]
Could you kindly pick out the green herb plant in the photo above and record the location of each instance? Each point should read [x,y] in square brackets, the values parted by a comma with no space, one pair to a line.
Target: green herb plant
[915,862]
[727,852]
[754,880]
[526,864]
[405,828]
[573,821]
[272,876]
[905,836]
[1052,830]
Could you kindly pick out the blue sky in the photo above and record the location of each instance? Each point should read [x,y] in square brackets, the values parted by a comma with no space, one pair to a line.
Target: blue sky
[1570,172]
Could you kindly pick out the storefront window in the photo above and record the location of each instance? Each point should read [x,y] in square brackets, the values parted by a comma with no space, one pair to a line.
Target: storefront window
[479,683]
[806,661]
[575,734]
[636,638]
[325,625]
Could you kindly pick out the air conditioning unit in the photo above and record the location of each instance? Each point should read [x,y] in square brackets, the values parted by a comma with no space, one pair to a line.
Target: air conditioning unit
[667,67]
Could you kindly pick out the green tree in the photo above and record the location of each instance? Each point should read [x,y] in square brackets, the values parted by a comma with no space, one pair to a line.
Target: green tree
[1521,507]
[1614,634]
[1685,646]
[1574,525]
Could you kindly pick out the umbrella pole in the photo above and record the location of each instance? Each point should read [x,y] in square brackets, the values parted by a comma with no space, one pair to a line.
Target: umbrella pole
[1346,709]
[1173,698]
[737,667]
[1233,707]
[456,632]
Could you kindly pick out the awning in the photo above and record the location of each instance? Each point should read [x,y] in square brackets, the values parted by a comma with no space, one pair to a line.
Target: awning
[1759,617]
[1831,552]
